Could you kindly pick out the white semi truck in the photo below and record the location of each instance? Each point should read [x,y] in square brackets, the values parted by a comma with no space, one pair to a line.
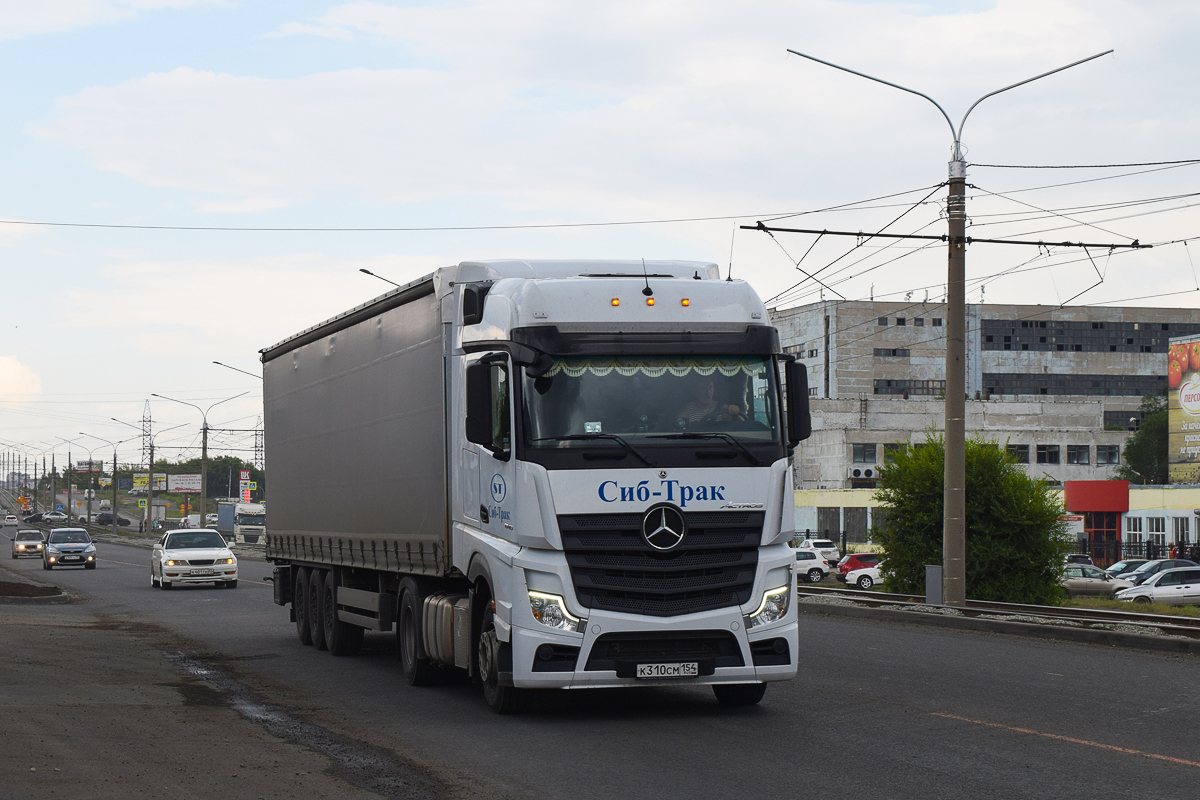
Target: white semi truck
[243,523]
[549,474]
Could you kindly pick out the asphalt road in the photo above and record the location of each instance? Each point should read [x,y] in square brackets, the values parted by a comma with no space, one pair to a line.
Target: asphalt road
[879,710]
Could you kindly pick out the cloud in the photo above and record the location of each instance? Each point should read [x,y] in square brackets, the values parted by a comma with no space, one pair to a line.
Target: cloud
[20,18]
[18,383]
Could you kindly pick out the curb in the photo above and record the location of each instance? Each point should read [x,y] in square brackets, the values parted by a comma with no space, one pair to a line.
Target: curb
[63,598]
[1135,641]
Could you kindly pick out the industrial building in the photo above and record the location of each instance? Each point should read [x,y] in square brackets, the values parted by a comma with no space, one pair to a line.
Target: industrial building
[1059,386]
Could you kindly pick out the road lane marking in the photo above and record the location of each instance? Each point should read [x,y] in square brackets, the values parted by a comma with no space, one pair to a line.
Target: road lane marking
[126,563]
[1071,739]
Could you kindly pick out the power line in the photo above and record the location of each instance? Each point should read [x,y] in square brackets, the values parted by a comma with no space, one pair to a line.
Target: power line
[1086,166]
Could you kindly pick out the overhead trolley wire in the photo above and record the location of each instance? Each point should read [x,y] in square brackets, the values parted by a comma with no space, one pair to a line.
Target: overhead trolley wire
[1086,166]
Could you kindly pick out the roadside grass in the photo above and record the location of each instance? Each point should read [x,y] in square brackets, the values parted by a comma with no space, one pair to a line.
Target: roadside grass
[1138,608]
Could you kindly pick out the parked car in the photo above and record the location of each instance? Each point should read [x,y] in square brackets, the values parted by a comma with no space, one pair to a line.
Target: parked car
[863,578]
[1150,568]
[105,518]
[853,561]
[1173,587]
[1079,558]
[825,547]
[69,547]
[192,555]
[811,566]
[1084,580]
[1128,565]
[54,518]
[27,543]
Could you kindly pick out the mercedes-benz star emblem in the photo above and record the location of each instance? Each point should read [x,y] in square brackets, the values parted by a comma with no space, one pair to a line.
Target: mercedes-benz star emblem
[664,527]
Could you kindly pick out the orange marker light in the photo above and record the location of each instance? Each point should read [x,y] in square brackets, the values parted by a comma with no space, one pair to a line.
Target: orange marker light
[685,302]
[616,302]
[649,301]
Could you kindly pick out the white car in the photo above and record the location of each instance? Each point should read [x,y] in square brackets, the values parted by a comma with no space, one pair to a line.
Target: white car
[811,565]
[11,520]
[1172,587]
[825,547]
[863,578]
[192,555]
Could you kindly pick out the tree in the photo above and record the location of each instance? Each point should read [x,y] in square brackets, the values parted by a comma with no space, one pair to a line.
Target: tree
[1016,542]
[1145,458]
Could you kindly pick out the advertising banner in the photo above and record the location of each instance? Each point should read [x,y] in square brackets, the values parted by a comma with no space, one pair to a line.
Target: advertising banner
[104,482]
[140,479]
[1183,410]
[183,483]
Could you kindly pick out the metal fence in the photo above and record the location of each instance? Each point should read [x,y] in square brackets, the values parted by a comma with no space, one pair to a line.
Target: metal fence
[1112,551]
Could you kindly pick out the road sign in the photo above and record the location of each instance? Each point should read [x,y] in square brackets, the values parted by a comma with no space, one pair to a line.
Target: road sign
[141,503]
[253,485]
[58,507]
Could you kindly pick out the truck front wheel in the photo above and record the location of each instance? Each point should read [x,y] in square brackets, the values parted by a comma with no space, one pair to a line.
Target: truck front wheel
[502,699]
[739,694]
[417,671]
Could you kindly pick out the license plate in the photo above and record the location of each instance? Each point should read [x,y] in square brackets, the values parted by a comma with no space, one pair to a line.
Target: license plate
[201,572]
[686,670]
[72,558]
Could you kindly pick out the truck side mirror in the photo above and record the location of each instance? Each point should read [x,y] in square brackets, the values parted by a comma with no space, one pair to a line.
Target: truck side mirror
[799,420]
[479,403]
[472,304]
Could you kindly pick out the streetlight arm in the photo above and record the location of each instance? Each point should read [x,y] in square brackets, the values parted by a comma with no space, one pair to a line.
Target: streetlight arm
[896,85]
[958,136]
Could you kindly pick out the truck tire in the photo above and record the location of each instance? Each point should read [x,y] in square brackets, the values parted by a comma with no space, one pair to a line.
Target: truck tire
[343,638]
[300,604]
[502,699]
[316,609]
[417,671]
[739,694]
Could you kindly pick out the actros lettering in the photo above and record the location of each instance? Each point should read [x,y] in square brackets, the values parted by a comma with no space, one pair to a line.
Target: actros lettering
[671,491]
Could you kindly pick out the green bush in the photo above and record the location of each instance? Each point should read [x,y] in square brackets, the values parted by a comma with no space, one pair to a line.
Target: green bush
[1015,542]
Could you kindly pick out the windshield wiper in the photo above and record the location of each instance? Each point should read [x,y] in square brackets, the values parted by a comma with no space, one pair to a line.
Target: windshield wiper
[758,462]
[583,437]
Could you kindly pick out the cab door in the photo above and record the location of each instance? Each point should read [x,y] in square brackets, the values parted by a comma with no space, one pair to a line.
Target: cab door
[492,378]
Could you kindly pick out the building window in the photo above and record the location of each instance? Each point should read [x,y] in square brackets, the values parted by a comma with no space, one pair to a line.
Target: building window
[908,386]
[1133,529]
[1019,452]
[937,322]
[1156,527]
[901,321]
[812,353]
[864,454]
[1108,454]
[1047,454]
[890,451]
[1078,453]
[1182,528]
[883,321]
[891,352]
[919,322]
[812,391]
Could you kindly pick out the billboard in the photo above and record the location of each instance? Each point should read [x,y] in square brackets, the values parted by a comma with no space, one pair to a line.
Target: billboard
[140,479]
[1183,410]
[184,483]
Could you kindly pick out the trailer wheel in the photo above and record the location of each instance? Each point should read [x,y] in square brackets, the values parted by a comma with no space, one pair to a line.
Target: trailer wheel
[300,604]
[343,638]
[502,699]
[316,609]
[417,671]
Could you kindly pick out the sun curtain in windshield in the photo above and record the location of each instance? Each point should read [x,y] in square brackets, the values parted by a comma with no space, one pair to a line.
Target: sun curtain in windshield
[646,397]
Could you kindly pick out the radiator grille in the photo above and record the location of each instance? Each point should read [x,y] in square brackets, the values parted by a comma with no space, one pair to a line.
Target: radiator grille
[613,568]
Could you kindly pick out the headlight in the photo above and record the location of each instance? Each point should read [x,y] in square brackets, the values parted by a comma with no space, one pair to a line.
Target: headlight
[174,563]
[225,561]
[773,607]
[551,611]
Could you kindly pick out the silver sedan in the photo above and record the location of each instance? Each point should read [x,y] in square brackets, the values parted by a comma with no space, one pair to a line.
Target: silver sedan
[193,555]
[27,543]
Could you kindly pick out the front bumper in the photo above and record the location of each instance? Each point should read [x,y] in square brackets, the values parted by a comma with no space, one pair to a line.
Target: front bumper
[219,574]
[594,666]
[36,552]
[70,559]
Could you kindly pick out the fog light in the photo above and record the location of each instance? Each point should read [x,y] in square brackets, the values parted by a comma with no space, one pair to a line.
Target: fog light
[545,652]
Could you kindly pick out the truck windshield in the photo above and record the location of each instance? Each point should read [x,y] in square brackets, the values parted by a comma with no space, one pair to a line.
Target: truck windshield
[592,401]
[252,519]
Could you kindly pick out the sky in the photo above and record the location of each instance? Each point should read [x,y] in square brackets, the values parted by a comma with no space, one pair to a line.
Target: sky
[683,118]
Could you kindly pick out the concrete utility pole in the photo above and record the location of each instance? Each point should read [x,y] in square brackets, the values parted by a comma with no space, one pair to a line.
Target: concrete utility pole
[70,496]
[954,570]
[203,446]
[115,513]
